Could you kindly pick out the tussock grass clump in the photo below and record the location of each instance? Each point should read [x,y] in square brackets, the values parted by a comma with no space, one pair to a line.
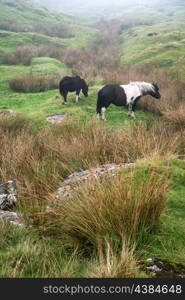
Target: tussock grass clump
[33,83]
[117,209]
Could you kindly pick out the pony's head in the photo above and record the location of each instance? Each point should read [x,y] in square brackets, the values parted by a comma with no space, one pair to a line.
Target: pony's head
[85,89]
[155,91]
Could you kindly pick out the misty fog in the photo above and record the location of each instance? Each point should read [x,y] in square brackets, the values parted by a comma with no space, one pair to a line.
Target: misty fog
[97,8]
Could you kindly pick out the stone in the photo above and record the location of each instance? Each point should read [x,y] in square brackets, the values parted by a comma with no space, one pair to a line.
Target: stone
[8,195]
[78,178]
[13,218]
[56,119]
[154,269]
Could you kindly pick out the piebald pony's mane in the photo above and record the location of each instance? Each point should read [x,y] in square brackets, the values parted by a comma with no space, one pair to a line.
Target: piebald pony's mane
[143,86]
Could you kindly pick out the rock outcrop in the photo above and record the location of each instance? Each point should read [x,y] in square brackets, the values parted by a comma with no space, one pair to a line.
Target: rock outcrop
[56,119]
[8,195]
[76,179]
[8,199]
[11,217]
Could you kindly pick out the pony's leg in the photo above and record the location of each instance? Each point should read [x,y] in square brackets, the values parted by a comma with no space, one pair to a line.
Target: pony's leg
[103,110]
[64,97]
[134,107]
[129,109]
[77,96]
[133,115]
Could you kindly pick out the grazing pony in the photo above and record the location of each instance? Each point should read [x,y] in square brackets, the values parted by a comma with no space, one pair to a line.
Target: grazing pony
[72,84]
[124,95]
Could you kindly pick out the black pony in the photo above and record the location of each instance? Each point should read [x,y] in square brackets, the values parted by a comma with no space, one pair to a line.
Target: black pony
[124,95]
[72,84]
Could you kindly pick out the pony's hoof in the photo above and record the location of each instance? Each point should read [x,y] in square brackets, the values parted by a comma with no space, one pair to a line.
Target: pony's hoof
[64,103]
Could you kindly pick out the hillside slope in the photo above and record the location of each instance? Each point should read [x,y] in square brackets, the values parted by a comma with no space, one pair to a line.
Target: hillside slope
[160,42]
[25,23]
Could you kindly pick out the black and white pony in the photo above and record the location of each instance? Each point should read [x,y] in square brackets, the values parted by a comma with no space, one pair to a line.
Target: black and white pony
[124,95]
[72,84]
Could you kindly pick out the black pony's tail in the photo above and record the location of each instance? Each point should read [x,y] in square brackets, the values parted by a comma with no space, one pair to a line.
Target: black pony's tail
[99,107]
[60,88]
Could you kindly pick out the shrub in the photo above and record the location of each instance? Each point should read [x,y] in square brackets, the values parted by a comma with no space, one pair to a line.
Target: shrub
[49,51]
[33,84]
[14,26]
[56,30]
[25,54]
[22,55]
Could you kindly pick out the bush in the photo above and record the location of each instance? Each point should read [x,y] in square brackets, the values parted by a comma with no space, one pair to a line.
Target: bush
[49,51]
[57,30]
[33,84]
[25,54]
[14,26]
[22,55]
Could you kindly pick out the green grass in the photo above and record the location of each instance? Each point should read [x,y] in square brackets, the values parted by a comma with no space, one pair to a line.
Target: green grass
[168,242]
[24,254]
[49,66]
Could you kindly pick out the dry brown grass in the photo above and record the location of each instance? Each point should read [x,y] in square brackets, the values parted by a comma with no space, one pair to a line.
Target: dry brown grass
[114,264]
[103,213]
[33,83]
[176,117]
[38,160]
